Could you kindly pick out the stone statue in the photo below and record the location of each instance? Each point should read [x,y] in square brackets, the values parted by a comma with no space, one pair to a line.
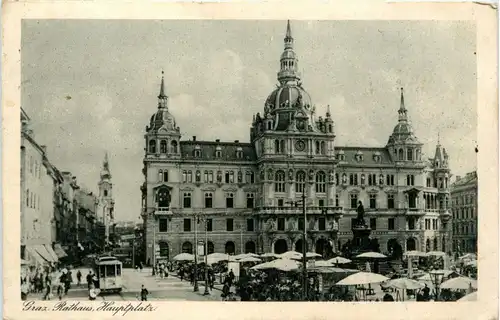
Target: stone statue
[344,178]
[361,213]
[332,176]
[240,177]
[270,224]
[219,176]
[381,180]
[270,174]
[290,175]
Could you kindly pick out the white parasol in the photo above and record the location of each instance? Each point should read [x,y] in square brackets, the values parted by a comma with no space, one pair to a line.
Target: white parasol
[320,264]
[269,255]
[471,256]
[339,260]
[472,264]
[184,257]
[372,255]
[415,253]
[435,254]
[404,283]
[362,278]
[249,259]
[291,255]
[245,255]
[446,274]
[459,283]
[469,297]
[278,264]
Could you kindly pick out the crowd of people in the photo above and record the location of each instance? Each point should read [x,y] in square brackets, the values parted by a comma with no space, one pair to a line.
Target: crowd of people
[47,280]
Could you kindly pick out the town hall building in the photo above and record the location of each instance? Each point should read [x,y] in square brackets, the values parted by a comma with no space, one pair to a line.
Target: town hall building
[246,195]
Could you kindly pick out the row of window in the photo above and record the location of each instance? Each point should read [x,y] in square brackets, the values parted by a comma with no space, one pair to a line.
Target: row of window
[188,224]
[187,200]
[372,179]
[434,222]
[464,228]
[434,183]
[164,146]
[464,199]
[218,152]
[32,200]
[35,167]
[410,154]
[463,213]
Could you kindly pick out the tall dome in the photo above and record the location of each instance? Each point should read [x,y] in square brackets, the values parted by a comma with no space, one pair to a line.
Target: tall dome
[289,105]
[403,131]
[162,119]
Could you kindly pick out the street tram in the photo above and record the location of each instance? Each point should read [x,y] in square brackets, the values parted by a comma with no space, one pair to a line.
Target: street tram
[108,270]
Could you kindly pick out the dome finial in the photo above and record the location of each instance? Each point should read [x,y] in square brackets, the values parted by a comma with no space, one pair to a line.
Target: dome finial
[288,30]
[402,109]
[162,97]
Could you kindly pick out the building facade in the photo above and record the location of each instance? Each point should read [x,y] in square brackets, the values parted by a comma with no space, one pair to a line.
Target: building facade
[465,213]
[247,195]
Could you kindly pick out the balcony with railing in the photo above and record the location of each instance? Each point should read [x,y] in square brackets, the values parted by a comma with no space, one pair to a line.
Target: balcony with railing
[328,211]
[163,211]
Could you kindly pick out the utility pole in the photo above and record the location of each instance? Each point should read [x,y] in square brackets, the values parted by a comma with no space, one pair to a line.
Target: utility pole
[206,257]
[304,246]
[154,244]
[196,221]
[241,237]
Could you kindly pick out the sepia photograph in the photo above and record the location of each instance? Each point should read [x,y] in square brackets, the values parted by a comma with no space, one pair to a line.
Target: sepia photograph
[248,160]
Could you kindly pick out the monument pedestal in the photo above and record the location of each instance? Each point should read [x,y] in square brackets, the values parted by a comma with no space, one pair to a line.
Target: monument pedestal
[361,241]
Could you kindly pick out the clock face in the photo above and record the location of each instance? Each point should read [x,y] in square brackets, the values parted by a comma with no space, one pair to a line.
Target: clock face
[300,145]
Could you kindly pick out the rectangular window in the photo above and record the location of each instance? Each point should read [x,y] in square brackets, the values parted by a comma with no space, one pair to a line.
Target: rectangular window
[226,177]
[337,200]
[390,201]
[249,177]
[322,224]
[210,225]
[205,176]
[190,176]
[208,200]
[428,183]
[250,225]
[229,224]
[163,224]
[231,176]
[373,223]
[411,223]
[321,203]
[250,200]
[373,201]
[281,203]
[187,225]
[301,224]
[390,223]
[210,176]
[229,200]
[354,201]
[281,224]
[187,200]
[184,176]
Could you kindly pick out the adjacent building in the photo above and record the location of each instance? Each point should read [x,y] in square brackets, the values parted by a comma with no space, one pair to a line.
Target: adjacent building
[464,211]
[247,195]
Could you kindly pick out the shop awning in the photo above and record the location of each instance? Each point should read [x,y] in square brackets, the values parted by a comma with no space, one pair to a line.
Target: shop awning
[42,251]
[33,256]
[51,252]
[59,251]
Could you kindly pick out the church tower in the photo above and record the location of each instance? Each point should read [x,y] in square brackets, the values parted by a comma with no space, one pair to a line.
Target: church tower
[106,201]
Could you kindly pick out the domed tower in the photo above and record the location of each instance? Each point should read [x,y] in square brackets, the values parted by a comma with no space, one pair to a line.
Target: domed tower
[403,144]
[162,135]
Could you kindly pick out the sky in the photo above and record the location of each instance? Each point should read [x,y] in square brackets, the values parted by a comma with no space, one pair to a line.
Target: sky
[91,86]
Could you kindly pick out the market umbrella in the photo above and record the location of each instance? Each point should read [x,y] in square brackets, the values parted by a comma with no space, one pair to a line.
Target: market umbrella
[372,255]
[471,256]
[245,255]
[415,253]
[339,260]
[404,283]
[184,257]
[459,283]
[361,278]
[319,264]
[24,262]
[250,259]
[278,264]
[435,253]
[472,263]
[291,255]
[300,256]
[446,274]
[269,255]
[469,297]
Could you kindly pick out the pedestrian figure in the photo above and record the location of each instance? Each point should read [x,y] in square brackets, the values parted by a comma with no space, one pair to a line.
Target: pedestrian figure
[89,279]
[48,289]
[24,289]
[93,292]
[144,293]
[79,277]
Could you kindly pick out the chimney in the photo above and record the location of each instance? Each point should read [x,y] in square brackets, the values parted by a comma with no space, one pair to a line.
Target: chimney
[217,140]
[194,138]
[44,148]
[458,178]
[236,141]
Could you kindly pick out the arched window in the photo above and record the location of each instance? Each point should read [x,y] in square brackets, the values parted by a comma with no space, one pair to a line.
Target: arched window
[250,247]
[320,182]
[152,146]
[160,175]
[210,246]
[409,154]
[187,247]
[318,147]
[400,155]
[165,175]
[230,247]
[173,146]
[322,147]
[163,146]
[279,181]
[330,128]
[300,181]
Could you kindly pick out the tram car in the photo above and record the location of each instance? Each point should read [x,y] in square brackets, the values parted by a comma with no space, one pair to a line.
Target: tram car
[108,270]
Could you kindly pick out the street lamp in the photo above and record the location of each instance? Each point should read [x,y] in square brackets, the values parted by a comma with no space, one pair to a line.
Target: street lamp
[206,257]
[196,289]
[437,278]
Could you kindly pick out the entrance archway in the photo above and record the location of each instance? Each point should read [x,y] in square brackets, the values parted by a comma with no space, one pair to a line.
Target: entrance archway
[299,246]
[395,249]
[324,248]
[280,246]
[411,244]
[229,248]
[250,247]
[187,247]
[164,252]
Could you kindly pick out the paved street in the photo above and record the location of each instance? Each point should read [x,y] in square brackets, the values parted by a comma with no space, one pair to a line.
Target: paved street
[167,289]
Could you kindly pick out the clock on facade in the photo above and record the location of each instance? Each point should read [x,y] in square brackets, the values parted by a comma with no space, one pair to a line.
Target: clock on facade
[300,145]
